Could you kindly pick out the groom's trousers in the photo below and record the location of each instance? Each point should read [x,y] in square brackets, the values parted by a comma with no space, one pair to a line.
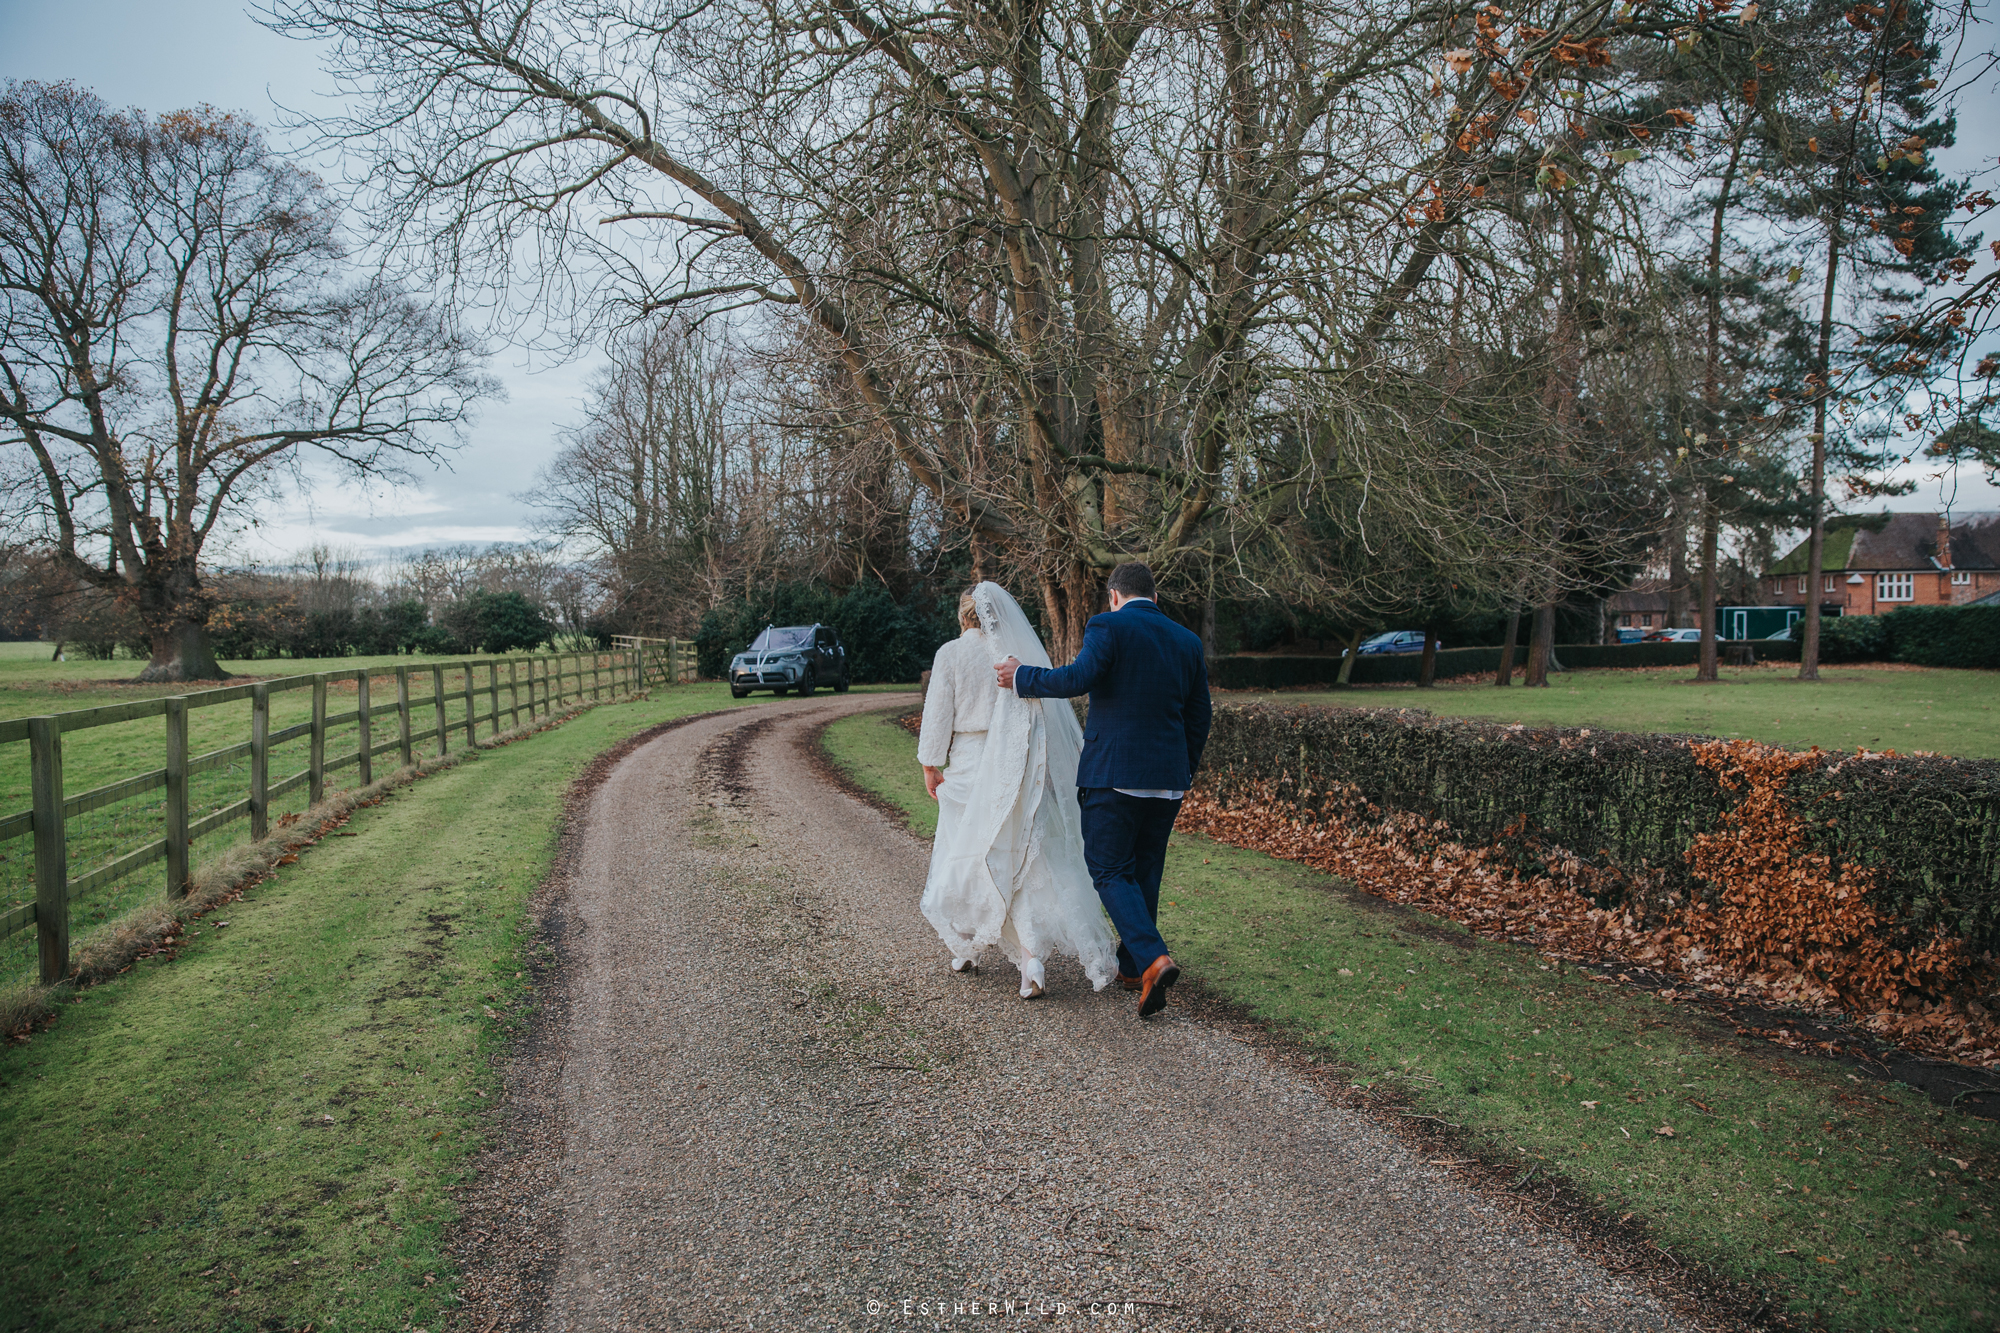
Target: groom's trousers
[1125,846]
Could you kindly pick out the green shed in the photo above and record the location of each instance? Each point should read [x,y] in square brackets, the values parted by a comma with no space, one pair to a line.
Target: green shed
[1754,622]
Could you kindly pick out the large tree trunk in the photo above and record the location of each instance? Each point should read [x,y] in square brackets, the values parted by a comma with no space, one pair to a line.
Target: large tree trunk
[1346,676]
[1816,542]
[1505,674]
[1427,669]
[1070,598]
[175,613]
[1711,402]
[1710,541]
[1541,646]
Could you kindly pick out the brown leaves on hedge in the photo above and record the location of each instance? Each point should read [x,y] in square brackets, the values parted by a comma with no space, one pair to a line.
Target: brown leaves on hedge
[1780,922]
[1780,906]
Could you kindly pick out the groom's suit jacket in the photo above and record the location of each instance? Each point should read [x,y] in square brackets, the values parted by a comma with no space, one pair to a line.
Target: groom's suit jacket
[1149,706]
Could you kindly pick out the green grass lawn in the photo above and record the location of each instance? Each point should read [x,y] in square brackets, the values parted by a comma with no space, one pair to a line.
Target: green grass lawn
[1905,709]
[881,757]
[259,1134]
[31,684]
[34,685]
[1857,1205]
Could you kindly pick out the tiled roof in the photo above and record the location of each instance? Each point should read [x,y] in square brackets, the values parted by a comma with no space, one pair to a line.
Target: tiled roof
[1900,541]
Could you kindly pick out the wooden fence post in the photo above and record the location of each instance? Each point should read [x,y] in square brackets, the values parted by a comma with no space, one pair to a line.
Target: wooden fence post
[51,848]
[596,674]
[177,796]
[316,762]
[471,709]
[403,716]
[513,691]
[260,761]
[367,732]
[437,703]
[493,693]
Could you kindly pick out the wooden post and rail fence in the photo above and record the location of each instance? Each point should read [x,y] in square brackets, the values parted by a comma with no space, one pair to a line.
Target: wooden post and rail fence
[536,686]
[661,661]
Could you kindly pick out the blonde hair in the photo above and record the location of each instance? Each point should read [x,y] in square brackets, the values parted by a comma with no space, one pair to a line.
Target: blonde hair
[968,613]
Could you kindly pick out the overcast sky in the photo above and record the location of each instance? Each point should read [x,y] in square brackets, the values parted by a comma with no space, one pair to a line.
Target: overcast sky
[160,55]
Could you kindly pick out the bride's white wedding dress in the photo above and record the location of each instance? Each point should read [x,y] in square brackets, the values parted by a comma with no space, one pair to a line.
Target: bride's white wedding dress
[1007,867]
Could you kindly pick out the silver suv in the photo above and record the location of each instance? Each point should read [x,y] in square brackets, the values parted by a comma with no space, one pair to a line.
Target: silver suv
[792,657]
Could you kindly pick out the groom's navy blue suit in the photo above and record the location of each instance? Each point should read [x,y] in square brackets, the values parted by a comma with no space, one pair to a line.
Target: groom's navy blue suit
[1149,719]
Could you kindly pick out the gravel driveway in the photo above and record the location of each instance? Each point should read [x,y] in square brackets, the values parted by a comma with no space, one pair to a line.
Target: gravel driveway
[758,1100]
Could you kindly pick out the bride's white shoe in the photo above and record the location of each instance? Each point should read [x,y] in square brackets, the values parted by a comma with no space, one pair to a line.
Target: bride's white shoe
[965,965]
[1033,978]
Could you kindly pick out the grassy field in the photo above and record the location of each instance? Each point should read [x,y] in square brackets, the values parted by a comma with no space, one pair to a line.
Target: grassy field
[1905,709]
[30,683]
[1855,1205]
[259,1133]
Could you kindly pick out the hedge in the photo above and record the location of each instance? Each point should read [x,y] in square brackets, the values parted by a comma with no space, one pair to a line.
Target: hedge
[1938,636]
[1277,673]
[1929,824]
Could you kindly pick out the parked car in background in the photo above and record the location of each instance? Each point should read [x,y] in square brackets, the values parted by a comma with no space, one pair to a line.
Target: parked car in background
[794,657]
[1395,641]
[1629,634]
[1674,636]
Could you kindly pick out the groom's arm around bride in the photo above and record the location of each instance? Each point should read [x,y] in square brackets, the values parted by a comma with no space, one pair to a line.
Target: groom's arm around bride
[1142,742]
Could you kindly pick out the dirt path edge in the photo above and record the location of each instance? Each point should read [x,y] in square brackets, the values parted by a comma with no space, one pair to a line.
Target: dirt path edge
[507,1241]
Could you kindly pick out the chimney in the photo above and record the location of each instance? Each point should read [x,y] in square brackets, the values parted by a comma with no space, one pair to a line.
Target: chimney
[1944,541]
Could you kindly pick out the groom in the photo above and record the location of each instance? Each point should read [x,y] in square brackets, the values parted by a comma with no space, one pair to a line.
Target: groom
[1149,715]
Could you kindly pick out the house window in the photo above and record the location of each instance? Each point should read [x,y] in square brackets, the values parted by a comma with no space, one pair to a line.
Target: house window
[1829,584]
[1802,585]
[1961,577]
[1895,587]
[1646,621]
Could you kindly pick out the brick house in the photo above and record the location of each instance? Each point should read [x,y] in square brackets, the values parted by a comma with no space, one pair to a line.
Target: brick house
[1641,606]
[1881,562]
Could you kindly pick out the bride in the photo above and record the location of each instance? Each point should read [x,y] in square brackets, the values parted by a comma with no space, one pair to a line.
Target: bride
[1007,867]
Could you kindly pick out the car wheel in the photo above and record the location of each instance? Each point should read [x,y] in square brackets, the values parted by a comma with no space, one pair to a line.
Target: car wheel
[840,687]
[779,689]
[735,693]
[807,684]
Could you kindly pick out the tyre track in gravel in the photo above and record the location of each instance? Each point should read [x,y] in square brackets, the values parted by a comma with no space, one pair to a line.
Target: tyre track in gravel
[775,1108]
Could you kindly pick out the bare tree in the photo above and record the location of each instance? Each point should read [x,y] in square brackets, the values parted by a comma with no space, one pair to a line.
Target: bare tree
[641,484]
[1120,281]
[174,330]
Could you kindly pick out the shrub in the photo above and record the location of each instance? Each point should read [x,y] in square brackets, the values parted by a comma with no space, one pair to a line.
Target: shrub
[1853,639]
[495,622]
[1945,636]
[1277,673]
[1927,826]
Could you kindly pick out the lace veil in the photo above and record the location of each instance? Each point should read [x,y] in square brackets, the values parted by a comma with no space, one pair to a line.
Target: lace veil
[1009,634]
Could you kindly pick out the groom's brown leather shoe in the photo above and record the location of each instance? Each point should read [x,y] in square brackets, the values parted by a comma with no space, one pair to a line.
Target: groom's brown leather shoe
[1153,994]
[1129,983]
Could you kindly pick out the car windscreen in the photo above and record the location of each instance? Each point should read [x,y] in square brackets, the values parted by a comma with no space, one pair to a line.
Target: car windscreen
[783,640]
